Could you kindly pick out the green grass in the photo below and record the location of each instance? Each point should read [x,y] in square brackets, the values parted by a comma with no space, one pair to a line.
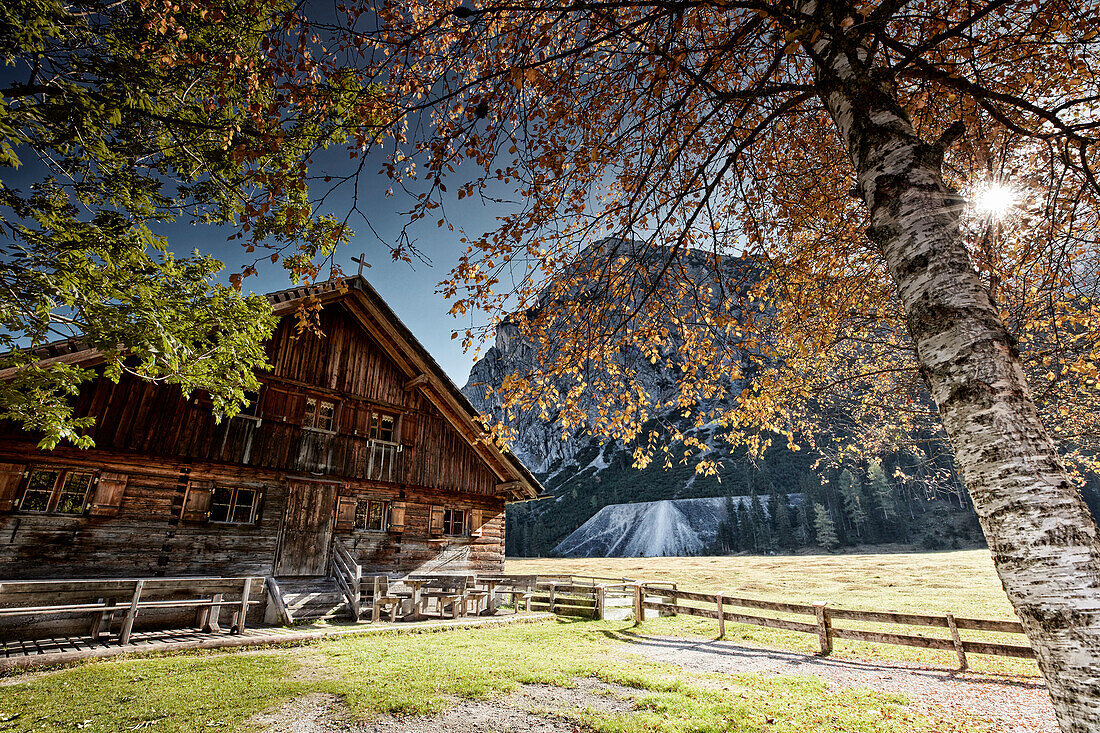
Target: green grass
[960,582]
[422,673]
[177,693]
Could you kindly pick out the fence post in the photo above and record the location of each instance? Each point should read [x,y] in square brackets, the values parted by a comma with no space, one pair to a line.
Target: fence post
[553,587]
[824,627]
[601,596]
[639,611]
[243,613]
[721,616]
[957,641]
[128,622]
[213,621]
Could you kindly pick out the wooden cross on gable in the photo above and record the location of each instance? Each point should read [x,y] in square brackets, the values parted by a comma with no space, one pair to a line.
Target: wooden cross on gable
[362,260]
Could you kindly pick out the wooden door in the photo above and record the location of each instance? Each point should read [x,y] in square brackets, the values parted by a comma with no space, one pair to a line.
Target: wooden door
[307,529]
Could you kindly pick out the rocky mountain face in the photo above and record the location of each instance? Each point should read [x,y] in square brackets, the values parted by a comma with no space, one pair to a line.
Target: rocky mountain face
[667,528]
[539,443]
[584,475]
[647,529]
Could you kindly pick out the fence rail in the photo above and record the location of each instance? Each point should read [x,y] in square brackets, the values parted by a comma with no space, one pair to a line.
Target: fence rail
[349,576]
[671,600]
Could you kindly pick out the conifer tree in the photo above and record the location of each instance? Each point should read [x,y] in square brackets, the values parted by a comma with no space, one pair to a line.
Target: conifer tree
[727,528]
[781,513]
[761,530]
[882,490]
[852,502]
[824,528]
[746,533]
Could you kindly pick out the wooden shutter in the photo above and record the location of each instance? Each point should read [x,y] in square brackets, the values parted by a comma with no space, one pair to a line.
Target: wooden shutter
[475,522]
[435,521]
[345,514]
[408,428]
[282,405]
[397,516]
[196,505]
[108,494]
[11,475]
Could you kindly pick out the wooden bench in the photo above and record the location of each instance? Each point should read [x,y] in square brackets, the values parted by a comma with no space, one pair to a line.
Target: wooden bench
[387,597]
[47,603]
[447,590]
[519,588]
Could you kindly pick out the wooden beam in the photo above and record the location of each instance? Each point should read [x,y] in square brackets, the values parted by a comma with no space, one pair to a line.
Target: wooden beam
[84,357]
[416,382]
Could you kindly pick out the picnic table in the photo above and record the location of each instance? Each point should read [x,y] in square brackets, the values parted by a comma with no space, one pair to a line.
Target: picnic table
[444,589]
[490,582]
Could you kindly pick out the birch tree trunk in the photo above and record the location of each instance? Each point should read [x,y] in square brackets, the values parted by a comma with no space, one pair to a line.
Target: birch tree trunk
[1041,535]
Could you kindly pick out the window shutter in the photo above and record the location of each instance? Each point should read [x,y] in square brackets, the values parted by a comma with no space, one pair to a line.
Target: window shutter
[11,475]
[196,505]
[408,428]
[435,521]
[345,514]
[272,403]
[397,516]
[108,494]
[279,404]
[475,522]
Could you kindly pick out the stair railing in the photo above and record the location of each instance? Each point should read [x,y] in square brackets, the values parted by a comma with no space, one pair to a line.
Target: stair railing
[349,576]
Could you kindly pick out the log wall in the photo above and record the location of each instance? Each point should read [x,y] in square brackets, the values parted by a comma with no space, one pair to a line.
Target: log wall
[149,538]
[159,441]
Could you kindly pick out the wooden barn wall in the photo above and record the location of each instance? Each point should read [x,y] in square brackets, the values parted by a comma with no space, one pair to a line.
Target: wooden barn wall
[160,439]
[147,536]
[345,360]
[415,550]
[345,365]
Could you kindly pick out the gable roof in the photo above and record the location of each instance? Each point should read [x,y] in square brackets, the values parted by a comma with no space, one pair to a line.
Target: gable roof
[424,373]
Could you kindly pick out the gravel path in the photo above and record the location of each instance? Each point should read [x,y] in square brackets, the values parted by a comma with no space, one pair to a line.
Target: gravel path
[1016,705]
[530,709]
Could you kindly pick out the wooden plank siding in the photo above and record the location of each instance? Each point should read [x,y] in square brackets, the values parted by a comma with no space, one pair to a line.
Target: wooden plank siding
[152,442]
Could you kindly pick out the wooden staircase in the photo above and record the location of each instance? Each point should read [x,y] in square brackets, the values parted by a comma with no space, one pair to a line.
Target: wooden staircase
[312,599]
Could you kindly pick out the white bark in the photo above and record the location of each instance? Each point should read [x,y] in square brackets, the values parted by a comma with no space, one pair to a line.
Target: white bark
[1041,535]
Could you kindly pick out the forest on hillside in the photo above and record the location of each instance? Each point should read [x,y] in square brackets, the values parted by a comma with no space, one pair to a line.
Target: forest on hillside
[912,498]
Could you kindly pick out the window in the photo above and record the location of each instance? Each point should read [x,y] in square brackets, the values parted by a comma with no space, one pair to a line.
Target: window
[56,490]
[320,414]
[252,405]
[454,521]
[370,514]
[383,427]
[234,505]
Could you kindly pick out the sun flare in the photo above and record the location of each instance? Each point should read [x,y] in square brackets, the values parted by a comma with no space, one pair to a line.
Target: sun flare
[995,199]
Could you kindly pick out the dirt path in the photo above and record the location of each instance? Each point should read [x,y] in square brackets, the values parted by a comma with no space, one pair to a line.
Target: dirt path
[530,709]
[1017,705]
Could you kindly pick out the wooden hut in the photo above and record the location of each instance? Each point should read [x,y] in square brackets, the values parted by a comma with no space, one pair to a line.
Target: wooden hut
[356,436]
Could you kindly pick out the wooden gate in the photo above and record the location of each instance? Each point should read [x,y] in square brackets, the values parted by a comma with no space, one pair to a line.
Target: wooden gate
[307,529]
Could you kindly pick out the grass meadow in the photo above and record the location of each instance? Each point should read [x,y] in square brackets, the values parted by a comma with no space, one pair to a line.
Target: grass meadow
[423,673]
[408,674]
[961,582]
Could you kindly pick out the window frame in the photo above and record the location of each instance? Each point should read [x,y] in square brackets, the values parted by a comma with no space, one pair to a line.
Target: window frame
[449,522]
[251,409]
[308,417]
[254,514]
[58,489]
[374,426]
[385,513]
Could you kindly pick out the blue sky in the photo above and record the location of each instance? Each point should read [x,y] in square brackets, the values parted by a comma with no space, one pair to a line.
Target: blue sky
[409,289]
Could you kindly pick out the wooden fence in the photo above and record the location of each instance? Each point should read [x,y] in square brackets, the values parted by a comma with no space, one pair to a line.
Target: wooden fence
[97,607]
[670,601]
